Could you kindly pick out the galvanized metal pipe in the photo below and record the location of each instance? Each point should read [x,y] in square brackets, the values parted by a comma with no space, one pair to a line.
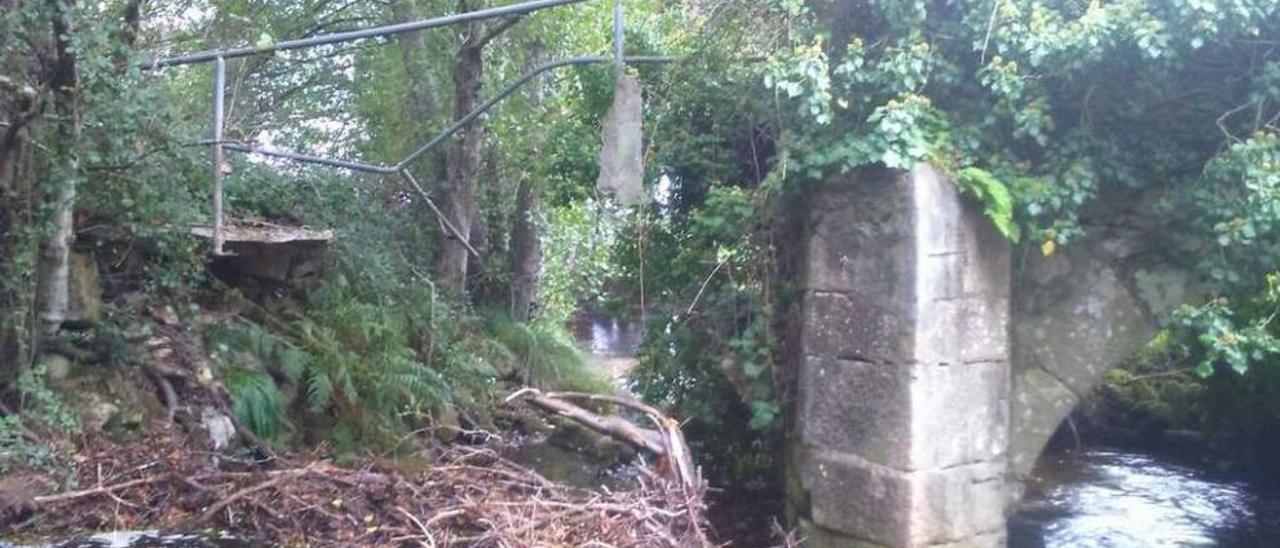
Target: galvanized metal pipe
[219,58]
[400,166]
[511,88]
[386,30]
[311,159]
[219,89]
[447,132]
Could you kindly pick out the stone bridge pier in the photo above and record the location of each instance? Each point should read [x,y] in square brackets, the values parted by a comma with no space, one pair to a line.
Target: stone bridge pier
[920,408]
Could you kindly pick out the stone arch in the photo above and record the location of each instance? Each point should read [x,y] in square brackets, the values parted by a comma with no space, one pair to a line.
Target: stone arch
[1076,315]
[931,366]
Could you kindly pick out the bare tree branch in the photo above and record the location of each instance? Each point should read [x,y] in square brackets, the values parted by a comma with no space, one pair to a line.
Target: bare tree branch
[497,30]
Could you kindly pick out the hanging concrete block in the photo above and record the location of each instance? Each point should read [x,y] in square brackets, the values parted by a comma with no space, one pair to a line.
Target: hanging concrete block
[622,157]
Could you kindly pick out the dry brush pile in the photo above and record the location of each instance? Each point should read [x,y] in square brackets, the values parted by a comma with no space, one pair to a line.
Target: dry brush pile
[469,496]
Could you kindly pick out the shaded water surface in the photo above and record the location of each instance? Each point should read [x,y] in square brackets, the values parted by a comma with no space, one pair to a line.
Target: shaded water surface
[1112,498]
[611,344]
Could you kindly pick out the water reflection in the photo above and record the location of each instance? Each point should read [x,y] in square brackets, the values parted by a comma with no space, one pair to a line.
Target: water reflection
[605,336]
[611,344]
[1108,498]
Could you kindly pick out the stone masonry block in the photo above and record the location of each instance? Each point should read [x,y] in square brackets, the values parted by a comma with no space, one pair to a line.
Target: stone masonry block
[904,384]
[958,504]
[869,252]
[814,536]
[895,508]
[1040,403]
[856,407]
[963,331]
[849,326]
[959,414]
[858,498]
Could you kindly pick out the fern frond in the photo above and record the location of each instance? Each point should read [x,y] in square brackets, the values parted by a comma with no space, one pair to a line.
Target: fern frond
[996,201]
[256,402]
[319,391]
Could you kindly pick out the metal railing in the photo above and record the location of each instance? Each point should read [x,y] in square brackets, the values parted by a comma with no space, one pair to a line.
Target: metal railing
[219,57]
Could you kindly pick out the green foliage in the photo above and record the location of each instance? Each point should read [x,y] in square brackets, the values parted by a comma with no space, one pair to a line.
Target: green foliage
[26,437]
[710,350]
[41,405]
[1234,336]
[362,356]
[1154,392]
[997,205]
[257,402]
[1137,405]
[1062,102]
[578,244]
[548,356]
[1151,392]
[1239,204]
[347,357]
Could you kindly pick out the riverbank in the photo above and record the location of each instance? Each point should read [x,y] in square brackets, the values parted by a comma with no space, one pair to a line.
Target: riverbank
[437,494]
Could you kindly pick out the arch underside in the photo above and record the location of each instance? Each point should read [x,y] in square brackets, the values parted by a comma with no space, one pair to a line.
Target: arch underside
[1077,315]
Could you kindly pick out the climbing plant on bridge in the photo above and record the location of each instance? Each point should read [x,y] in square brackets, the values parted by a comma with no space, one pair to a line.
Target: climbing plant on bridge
[1060,116]
[1067,104]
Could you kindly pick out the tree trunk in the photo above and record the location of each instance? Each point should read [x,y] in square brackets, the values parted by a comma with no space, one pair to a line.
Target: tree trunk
[414,55]
[11,145]
[526,252]
[457,194]
[55,250]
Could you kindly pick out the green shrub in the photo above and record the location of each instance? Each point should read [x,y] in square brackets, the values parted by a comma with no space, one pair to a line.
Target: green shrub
[548,356]
[257,402]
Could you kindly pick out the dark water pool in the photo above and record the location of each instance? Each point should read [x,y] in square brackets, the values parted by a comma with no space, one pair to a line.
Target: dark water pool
[1112,498]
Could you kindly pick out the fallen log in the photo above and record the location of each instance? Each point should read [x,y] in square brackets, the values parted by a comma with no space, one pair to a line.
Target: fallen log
[667,442]
[614,427]
[675,448]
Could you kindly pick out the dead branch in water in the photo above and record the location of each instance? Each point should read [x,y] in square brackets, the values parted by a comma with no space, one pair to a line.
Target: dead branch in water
[614,427]
[675,447]
[667,442]
[675,458]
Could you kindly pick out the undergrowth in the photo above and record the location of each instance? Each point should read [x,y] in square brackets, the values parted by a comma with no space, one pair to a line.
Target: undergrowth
[42,416]
[547,356]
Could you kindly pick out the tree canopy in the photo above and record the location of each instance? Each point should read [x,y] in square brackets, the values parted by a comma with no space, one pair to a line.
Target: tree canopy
[1057,115]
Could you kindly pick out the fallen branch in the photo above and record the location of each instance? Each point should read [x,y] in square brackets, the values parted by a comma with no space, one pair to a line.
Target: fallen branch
[675,447]
[667,441]
[473,496]
[428,538]
[217,507]
[614,427]
[45,499]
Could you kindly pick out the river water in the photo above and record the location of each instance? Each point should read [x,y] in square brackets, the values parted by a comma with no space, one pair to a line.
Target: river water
[1120,499]
[611,345]
[1104,498]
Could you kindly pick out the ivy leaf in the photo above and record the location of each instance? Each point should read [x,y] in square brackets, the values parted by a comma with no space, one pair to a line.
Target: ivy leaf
[1204,369]
[763,413]
[264,41]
